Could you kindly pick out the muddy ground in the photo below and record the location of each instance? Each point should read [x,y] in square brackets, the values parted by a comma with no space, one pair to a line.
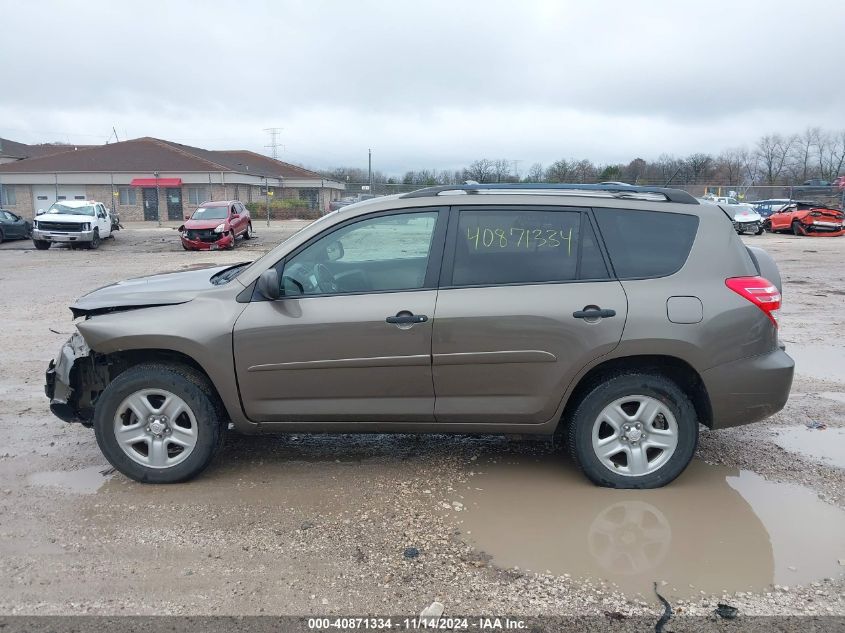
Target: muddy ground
[387,524]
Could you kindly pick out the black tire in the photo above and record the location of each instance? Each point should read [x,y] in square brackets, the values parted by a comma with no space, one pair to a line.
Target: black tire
[760,230]
[609,389]
[2,237]
[182,381]
[41,245]
[94,244]
[248,232]
[796,228]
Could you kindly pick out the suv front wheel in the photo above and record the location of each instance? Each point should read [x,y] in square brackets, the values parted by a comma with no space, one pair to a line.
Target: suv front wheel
[158,423]
[635,430]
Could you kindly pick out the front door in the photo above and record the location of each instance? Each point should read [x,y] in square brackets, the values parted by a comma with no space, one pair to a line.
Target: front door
[518,313]
[350,338]
[150,198]
[174,203]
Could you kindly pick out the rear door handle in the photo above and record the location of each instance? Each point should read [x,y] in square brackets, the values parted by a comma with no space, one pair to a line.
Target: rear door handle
[406,318]
[594,313]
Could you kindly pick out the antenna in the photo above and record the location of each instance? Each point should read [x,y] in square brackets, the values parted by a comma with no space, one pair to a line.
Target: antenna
[274,141]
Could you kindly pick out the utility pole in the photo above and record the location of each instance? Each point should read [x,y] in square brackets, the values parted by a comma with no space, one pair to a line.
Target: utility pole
[158,201]
[274,141]
[370,169]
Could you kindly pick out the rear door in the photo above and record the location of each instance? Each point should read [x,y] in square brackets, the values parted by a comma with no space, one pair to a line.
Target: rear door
[350,338]
[525,301]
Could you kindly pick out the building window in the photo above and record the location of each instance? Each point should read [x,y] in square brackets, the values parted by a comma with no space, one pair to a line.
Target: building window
[197,195]
[126,196]
[7,195]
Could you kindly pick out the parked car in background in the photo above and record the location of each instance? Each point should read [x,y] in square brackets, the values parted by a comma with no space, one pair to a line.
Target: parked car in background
[839,183]
[334,205]
[13,226]
[812,186]
[617,323]
[767,207]
[746,219]
[74,222]
[807,218]
[216,225]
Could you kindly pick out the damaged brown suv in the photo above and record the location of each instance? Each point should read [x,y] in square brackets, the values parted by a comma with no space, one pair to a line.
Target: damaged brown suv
[617,317]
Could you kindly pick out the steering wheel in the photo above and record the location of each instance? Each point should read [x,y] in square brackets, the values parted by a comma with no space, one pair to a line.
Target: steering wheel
[325,280]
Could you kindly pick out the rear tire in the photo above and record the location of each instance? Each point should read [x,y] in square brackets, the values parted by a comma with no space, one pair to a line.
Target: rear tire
[796,228]
[41,245]
[189,423]
[646,456]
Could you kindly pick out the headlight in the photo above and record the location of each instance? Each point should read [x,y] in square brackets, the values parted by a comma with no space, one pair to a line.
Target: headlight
[86,226]
[219,228]
[35,224]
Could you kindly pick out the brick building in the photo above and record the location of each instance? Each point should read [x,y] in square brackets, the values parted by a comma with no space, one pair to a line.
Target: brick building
[148,178]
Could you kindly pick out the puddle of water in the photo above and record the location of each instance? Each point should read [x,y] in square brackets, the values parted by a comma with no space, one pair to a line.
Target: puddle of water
[86,481]
[818,361]
[714,529]
[827,445]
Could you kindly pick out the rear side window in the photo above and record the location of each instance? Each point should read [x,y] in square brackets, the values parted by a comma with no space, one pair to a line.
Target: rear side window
[518,246]
[646,243]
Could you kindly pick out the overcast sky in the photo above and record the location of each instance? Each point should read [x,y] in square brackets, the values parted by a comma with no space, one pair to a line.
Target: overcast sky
[424,84]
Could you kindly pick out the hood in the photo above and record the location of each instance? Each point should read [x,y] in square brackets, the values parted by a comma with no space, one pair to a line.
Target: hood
[204,224]
[64,217]
[146,292]
[746,215]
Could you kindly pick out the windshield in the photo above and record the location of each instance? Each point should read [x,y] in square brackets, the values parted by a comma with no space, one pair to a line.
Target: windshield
[210,213]
[64,209]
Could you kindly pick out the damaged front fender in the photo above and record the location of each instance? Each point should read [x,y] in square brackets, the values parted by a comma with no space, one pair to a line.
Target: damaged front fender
[74,380]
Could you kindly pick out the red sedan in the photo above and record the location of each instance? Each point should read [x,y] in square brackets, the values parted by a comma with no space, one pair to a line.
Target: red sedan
[807,218]
[216,225]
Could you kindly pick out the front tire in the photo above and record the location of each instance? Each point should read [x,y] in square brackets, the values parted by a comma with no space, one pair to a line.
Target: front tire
[634,430]
[158,423]
[94,244]
[248,232]
[796,228]
[41,245]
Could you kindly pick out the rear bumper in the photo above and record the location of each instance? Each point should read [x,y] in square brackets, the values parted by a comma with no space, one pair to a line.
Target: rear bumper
[750,389]
[198,245]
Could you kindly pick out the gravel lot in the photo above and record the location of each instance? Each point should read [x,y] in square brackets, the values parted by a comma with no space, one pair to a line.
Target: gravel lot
[387,524]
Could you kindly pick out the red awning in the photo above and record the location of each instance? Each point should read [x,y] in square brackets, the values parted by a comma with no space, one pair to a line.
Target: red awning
[152,182]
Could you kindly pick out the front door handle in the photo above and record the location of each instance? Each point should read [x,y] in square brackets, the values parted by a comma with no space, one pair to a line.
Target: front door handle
[591,312]
[407,318]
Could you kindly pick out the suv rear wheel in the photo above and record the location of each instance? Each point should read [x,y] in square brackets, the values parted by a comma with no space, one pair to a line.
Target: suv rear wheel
[633,431]
[158,423]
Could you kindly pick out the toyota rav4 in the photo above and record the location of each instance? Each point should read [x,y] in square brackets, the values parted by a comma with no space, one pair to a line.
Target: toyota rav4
[617,318]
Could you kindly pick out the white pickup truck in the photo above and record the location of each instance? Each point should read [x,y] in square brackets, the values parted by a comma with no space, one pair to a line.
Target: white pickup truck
[83,222]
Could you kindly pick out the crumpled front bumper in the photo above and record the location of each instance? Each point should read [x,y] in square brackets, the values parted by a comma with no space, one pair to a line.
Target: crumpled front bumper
[198,245]
[58,386]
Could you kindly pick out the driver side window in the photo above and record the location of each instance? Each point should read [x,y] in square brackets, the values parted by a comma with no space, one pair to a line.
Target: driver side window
[381,254]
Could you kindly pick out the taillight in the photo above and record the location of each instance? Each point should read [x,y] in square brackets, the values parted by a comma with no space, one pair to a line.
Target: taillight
[759,291]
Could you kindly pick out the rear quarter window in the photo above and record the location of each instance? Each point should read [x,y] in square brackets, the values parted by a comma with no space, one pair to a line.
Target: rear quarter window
[644,244]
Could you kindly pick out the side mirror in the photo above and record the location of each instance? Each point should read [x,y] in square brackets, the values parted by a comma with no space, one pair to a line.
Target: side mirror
[39,212]
[187,217]
[268,284]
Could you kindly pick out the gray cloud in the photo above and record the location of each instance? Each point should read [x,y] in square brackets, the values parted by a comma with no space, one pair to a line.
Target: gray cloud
[430,84]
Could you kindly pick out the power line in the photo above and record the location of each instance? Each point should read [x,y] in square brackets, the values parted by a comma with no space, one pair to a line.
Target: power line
[274,141]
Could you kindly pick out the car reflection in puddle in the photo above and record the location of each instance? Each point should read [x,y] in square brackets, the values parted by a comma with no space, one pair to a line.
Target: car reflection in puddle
[714,529]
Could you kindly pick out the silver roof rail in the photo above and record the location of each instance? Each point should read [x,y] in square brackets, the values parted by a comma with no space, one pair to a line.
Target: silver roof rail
[615,191]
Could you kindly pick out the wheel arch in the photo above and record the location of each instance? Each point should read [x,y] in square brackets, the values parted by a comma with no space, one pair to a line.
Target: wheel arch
[676,369]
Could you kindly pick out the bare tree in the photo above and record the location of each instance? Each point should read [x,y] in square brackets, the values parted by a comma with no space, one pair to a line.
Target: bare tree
[773,155]
[479,170]
[560,171]
[698,167]
[535,173]
[501,170]
[729,167]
